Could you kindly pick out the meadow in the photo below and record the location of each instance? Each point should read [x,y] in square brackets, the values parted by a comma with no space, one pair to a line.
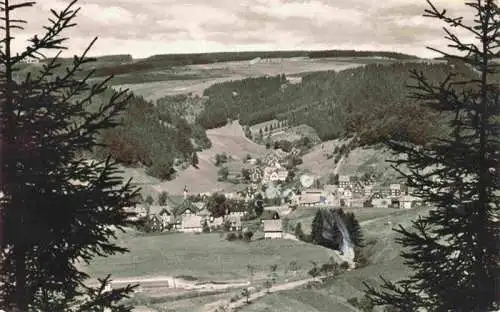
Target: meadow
[383,256]
[204,257]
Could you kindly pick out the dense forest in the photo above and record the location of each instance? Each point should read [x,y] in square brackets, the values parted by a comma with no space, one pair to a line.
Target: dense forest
[154,136]
[372,101]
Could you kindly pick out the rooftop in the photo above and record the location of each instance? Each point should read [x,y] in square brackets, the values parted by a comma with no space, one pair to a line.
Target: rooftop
[273,226]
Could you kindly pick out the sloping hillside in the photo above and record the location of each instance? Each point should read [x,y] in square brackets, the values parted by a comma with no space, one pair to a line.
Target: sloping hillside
[229,139]
[359,161]
[383,254]
[372,101]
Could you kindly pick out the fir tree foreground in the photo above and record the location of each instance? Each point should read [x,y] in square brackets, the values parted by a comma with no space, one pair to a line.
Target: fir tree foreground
[59,208]
[454,251]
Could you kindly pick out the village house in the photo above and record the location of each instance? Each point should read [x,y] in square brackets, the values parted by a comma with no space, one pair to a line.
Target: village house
[256,174]
[378,200]
[310,197]
[330,188]
[409,201]
[185,208]
[282,175]
[368,190]
[191,224]
[236,211]
[395,190]
[346,193]
[252,161]
[204,213]
[273,177]
[273,229]
[344,181]
[406,202]
[357,189]
[140,211]
[163,214]
[395,203]
[235,222]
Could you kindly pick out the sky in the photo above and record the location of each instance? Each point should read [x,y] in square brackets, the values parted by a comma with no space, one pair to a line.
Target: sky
[148,27]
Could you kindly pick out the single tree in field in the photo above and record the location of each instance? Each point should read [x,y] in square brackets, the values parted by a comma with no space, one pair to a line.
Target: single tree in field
[59,208]
[246,293]
[454,250]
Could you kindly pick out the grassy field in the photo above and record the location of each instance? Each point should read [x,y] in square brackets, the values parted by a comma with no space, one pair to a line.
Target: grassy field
[196,78]
[383,254]
[206,257]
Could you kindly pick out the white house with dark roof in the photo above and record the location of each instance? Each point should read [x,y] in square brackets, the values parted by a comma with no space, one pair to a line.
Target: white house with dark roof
[273,229]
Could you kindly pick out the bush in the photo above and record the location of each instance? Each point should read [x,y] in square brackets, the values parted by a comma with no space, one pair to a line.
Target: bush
[206,227]
[329,269]
[231,237]
[221,159]
[344,265]
[248,235]
[240,235]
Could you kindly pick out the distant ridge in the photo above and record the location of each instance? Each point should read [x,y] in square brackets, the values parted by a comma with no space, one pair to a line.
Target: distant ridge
[102,58]
[214,57]
[208,58]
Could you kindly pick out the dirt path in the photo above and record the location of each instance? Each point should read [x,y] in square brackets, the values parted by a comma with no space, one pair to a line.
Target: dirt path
[337,167]
[232,306]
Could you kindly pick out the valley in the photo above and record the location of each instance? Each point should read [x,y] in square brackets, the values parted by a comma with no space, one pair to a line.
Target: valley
[186,266]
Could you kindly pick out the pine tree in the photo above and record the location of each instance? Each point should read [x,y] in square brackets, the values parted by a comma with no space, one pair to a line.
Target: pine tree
[331,236]
[317,228]
[354,228]
[59,208]
[162,198]
[454,250]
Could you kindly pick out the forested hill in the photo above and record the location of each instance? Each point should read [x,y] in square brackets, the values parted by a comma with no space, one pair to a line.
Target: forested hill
[371,101]
[156,136]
